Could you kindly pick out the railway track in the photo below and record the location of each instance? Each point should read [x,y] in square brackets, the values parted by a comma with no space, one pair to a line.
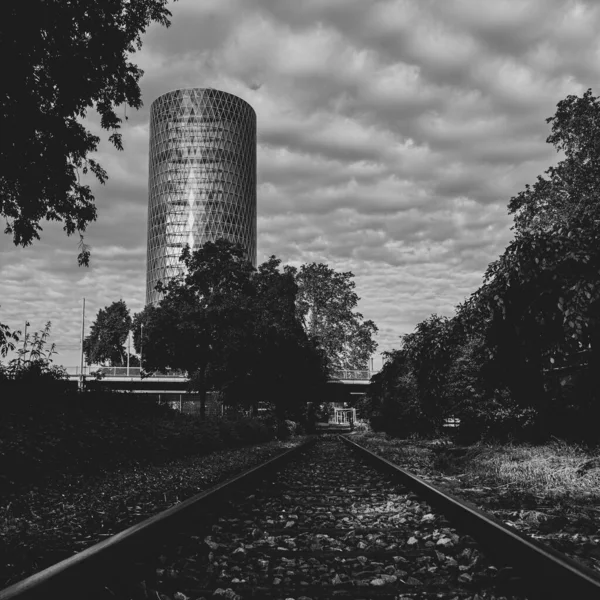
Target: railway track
[327,525]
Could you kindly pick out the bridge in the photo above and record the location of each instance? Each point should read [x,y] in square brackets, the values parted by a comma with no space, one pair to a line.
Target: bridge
[344,386]
[134,375]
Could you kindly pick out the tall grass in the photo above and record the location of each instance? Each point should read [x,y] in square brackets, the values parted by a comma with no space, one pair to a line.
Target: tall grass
[549,472]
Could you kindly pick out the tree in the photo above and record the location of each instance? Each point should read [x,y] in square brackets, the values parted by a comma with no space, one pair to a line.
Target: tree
[65,57]
[429,353]
[542,294]
[326,301]
[392,401]
[287,363]
[536,314]
[538,310]
[232,329]
[202,324]
[108,334]
[8,339]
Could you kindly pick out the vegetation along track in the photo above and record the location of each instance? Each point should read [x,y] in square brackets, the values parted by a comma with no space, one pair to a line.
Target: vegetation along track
[327,525]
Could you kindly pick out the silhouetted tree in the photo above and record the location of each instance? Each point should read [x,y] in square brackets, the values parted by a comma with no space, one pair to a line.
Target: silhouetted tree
[65,58]
[232,329]
[108,334]
[326,304]
[537,312]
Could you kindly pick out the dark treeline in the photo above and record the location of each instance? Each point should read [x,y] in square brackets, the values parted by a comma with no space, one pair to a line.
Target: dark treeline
[271,335]
[521,356]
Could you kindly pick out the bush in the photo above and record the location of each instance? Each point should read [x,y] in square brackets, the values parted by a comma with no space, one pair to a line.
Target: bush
[377,422]
[252,431]
[287,429]
[362,427]
[300,429]
[42,435]
[498,419]
[208,437]
[272,425]
[229,433]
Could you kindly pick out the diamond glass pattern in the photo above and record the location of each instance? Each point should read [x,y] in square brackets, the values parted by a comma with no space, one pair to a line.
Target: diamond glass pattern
[202,177]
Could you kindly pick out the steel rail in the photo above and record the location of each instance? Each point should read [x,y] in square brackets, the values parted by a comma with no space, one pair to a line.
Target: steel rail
[549,573]
[117,553]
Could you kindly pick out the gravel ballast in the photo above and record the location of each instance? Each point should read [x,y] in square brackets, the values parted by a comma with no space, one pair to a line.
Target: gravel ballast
[327,526]
[568,524]
[70,513]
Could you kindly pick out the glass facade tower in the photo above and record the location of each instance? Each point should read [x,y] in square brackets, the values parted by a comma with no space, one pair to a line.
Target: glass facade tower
[202,177]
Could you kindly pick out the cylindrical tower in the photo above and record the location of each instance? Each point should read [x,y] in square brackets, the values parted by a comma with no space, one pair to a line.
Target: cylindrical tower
[202,177]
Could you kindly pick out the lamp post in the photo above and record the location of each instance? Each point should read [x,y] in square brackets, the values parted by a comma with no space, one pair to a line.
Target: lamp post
[128,350]
[82,339]
[25,342]
[141,346]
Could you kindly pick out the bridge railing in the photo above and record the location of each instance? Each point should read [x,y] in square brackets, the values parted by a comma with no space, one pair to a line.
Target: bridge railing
[343,374]
[352,374]
[119,372]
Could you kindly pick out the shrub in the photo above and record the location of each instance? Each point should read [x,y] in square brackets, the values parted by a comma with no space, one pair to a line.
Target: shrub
[208,437]
[362,427]
[41,435]
[229,433]
[252,431]
[300,429]
[378,422]
[286,429]
[498,419]
[272,425]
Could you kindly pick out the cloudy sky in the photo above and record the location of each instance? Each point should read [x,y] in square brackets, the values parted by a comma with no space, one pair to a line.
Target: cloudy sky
[391,136]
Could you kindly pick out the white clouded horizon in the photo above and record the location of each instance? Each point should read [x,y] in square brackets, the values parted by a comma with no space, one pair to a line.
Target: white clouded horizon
[391,136]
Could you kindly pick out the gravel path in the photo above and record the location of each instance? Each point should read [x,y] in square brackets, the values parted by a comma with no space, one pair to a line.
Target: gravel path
[327,526]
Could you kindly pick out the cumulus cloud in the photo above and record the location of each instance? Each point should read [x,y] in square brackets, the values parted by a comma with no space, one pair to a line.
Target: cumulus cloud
[391,136]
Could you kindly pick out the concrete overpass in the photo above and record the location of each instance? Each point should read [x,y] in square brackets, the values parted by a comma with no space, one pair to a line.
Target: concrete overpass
[345,387]
[133,375]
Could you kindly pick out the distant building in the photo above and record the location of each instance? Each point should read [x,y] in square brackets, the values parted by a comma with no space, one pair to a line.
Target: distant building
[202,177]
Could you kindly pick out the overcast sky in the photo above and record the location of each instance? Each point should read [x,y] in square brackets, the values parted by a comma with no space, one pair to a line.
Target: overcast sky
[391,136]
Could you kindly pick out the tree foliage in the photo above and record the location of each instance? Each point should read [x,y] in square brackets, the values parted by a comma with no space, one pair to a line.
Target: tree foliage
[108,333]
[233,329]
[8,340]
[326,304]
[65,58]
[537,314]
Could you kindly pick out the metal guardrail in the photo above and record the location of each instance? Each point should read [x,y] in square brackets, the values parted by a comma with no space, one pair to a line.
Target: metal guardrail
[352,374]
[344,374]
[119,372]
[551,575]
